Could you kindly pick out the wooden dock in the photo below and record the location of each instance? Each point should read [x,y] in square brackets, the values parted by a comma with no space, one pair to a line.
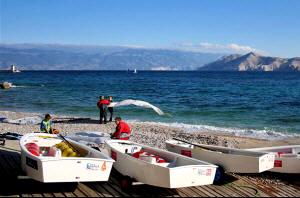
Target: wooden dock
[235,185]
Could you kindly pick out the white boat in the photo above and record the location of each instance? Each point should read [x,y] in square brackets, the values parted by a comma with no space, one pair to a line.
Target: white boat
[14,69]
[42,161]
[135,71]
[287,158]
[231,160]
[158,167]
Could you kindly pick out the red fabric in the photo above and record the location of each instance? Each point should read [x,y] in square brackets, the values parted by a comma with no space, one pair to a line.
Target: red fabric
[100,103]
[122,127]
[158,159]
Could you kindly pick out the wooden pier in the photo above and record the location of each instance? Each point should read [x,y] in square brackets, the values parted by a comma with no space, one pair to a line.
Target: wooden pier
[235,185]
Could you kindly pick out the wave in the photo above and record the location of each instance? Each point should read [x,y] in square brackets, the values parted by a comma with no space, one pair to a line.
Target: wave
[25,86]
[265,134]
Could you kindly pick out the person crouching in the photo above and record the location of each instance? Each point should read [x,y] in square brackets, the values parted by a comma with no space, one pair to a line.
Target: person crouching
[46,125]
[123,130]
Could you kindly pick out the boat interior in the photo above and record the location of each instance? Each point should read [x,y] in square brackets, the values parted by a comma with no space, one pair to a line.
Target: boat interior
[48,147]
[154,156]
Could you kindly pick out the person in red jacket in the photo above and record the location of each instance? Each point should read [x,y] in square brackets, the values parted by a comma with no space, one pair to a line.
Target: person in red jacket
[102,105]
[123,130]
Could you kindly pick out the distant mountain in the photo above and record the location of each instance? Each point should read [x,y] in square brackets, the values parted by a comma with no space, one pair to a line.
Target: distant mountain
[75,57]
[253,62]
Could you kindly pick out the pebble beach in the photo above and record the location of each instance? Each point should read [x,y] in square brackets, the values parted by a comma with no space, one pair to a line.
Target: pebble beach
[142,132]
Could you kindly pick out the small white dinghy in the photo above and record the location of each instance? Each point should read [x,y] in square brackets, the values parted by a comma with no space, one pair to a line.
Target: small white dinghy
[157,167]
[50,159]
[231,160]
[287,158]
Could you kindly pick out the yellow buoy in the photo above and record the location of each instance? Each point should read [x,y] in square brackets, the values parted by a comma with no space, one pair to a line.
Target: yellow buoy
[66,152]
[73,154]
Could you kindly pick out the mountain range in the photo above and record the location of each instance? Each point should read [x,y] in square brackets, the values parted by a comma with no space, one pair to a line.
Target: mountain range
[81,57]
[252,62]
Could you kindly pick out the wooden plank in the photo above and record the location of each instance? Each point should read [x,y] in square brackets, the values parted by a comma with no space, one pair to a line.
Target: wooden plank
[247,190]
[220,190]
[264,189]
[181,193]
[87,191]
[187,192]
[213,191]
[101,190]
[78,193]
[294,191]
[199,192]
[285,193]
[37,195]
[58,195]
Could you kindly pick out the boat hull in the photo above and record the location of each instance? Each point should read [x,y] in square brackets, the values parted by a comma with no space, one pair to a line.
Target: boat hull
[287,158]
[97,167]
[190,173]
[235,160]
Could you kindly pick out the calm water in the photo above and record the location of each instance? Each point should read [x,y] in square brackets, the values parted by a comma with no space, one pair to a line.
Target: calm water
[264,105]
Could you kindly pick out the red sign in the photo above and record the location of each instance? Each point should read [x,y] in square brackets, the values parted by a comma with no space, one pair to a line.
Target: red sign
[277,163]
[114,155]
[186,153]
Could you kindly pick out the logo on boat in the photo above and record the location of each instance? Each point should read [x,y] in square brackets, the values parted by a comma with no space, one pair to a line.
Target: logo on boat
[206,172]
[92,166]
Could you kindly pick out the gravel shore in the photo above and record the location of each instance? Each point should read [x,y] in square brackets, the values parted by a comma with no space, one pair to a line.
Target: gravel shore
[144,133]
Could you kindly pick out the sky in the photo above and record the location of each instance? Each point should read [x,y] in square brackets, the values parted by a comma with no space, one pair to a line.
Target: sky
[269,27]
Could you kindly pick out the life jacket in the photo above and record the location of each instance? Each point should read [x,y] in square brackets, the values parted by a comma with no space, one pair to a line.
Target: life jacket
[103,103]
[46,125]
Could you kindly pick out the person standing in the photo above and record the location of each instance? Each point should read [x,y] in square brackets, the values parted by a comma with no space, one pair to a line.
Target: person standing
[123,130]
[102,105]
[110,108]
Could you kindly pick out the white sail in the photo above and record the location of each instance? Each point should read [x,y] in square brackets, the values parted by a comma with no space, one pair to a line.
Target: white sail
[139,103]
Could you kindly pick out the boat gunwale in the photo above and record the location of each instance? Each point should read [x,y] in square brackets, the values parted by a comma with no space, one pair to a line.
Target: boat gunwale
[261,153]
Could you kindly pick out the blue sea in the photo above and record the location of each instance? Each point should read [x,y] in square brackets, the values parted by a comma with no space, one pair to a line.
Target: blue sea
[261,105]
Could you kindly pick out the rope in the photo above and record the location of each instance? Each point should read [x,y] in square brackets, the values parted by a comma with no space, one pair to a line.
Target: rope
[245,186]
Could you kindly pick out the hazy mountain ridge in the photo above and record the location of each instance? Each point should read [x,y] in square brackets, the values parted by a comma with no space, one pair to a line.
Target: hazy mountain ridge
[73,57]
[253,62]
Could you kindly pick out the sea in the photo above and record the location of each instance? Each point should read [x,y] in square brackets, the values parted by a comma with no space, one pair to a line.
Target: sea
[263,105]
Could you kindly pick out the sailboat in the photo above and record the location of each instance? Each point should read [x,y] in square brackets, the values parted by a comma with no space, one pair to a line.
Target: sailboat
[14,69]
[135,71]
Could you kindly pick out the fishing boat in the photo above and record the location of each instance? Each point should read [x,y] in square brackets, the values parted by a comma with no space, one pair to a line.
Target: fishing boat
[231,160]
[287,158]
[52,159]
[158,167]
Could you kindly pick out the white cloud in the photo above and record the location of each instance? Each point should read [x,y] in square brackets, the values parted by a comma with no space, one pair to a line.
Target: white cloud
[217,48]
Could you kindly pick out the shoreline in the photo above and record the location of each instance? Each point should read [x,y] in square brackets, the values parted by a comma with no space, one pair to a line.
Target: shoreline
[143,132]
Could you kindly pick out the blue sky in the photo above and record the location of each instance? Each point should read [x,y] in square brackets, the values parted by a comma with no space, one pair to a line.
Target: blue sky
[271,27]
